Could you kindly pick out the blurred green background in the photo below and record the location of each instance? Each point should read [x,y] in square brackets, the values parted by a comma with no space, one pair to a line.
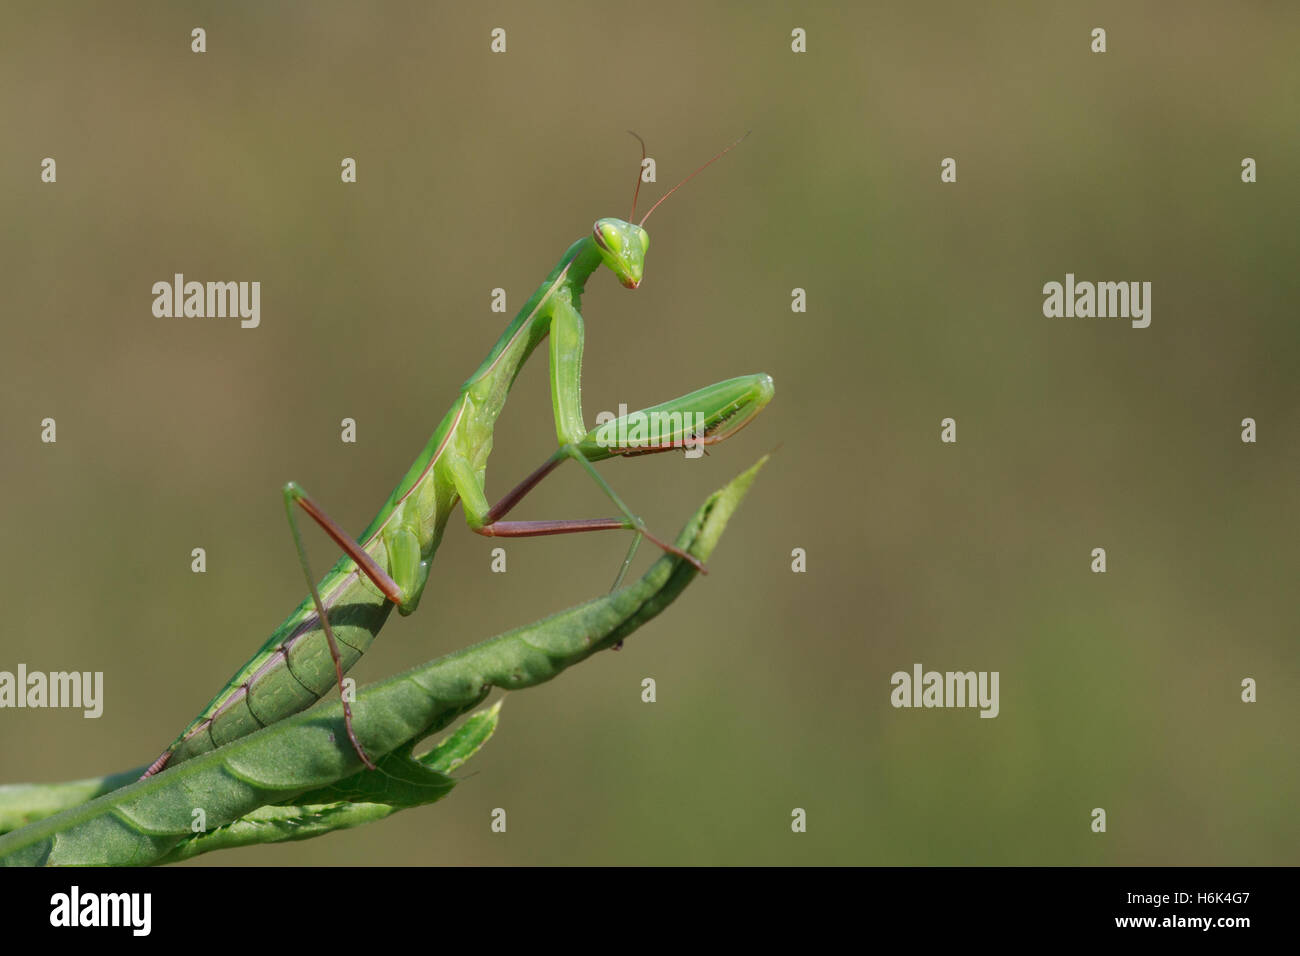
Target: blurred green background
[924,301]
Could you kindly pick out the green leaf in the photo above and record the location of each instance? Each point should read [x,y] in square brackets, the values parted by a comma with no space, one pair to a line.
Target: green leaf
[24,803]
[399,782]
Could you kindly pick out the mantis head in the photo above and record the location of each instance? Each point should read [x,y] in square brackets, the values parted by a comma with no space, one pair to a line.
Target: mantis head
[622,247]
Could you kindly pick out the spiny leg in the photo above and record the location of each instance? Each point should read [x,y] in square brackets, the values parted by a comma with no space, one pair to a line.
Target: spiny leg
[293,494]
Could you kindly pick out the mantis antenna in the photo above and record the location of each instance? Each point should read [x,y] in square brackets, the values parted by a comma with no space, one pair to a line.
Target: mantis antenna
[639,171]
[687,179]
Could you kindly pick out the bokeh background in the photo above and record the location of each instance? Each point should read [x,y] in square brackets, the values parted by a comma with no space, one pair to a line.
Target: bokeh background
[924,301]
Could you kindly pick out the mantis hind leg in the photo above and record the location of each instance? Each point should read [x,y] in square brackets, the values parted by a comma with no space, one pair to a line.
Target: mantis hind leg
[294,495]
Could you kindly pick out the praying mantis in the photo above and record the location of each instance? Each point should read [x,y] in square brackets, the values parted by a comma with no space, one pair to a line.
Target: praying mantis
[388,565]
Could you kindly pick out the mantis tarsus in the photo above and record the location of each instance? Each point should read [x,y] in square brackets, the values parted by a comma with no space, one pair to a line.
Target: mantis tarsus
[388,565]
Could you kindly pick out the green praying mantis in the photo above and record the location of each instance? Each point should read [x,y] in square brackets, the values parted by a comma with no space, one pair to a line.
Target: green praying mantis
[388,566]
